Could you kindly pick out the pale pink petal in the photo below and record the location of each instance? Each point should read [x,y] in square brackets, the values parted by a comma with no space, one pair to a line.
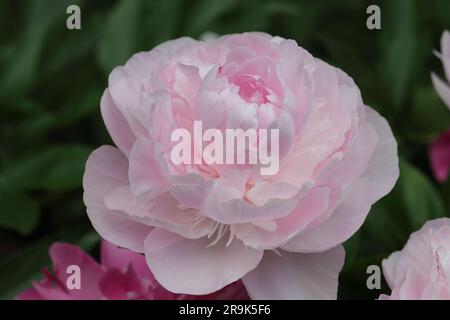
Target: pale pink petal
[298,276]
[122,199]
[286,128]
[189,190]
[225,205]
[106,170]
[193,267]
[356,162]
[345,220]
[383,170]
[166,213]
[390,267]
[310,206]
[126,95]
[147,171]
[263,191]
[116,124]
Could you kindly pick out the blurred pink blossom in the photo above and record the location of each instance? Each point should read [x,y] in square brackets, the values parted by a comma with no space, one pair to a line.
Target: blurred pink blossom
[421,270]
[439,154]
[121,275]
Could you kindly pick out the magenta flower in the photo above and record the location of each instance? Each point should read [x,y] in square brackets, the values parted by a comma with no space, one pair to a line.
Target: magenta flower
[203,225]
[439,151]
[439,154]
[121,275]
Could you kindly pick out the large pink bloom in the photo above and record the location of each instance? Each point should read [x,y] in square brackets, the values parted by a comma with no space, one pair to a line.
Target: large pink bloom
[121,275]
[202,227]
[421,270]
[439,151]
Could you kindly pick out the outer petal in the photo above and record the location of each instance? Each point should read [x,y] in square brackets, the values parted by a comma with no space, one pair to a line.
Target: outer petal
[116,124]
[193,267]
[383,171]
[106,170]
[296,276]
[344,221]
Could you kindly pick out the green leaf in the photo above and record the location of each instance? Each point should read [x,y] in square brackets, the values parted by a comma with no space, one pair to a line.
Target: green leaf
[18,271]
[440,11]
[383,225]
[164,16]
[351,249]
[74,110]
[428,115]
[445,189]
[25,54]
[56,169]
[118,39]
[74,45]
[250,16]
[19,212]
[421,199]
[204,12]
[400,48]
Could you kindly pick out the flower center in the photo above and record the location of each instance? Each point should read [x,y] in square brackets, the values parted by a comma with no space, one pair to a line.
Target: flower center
[252,89]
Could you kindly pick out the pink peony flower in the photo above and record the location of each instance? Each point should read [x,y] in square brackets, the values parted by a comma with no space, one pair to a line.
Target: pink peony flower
[204,226]
[121,275]
[439,151]
[421,270]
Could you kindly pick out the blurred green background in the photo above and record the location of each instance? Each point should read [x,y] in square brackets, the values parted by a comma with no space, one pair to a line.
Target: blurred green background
[52,78]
